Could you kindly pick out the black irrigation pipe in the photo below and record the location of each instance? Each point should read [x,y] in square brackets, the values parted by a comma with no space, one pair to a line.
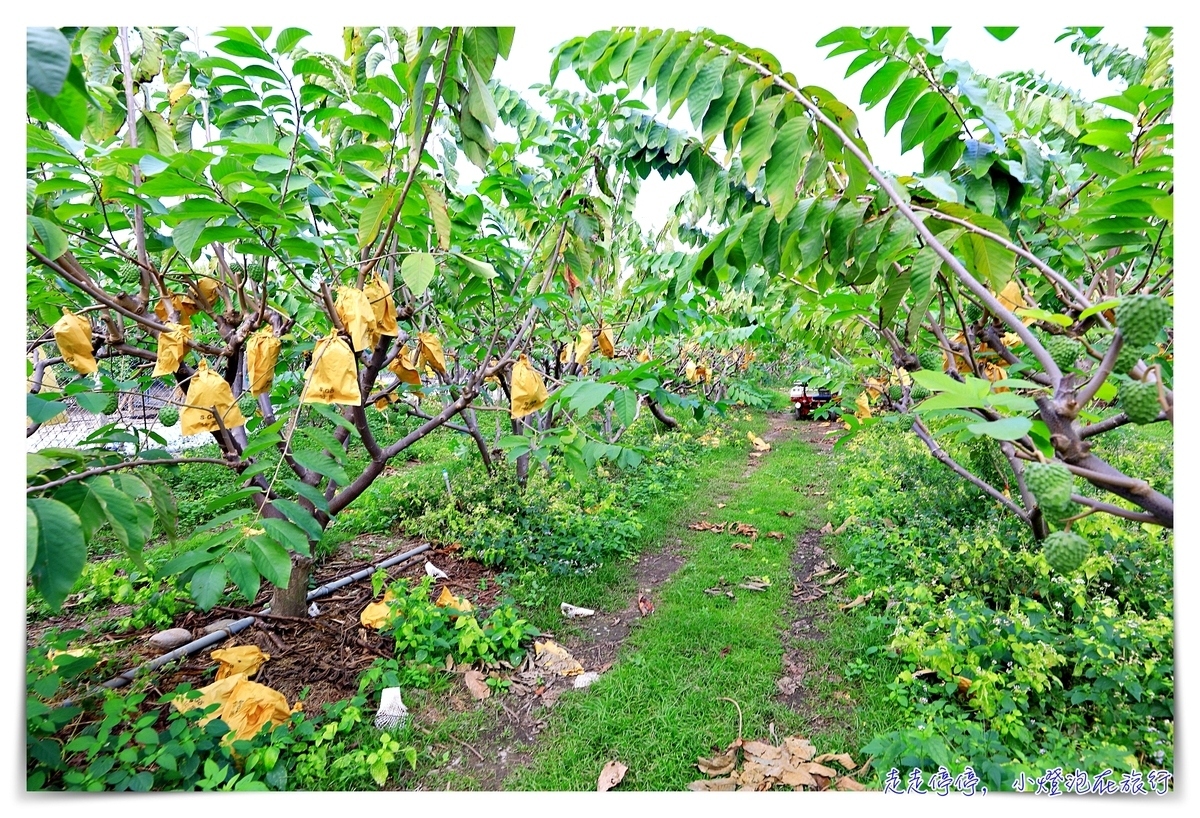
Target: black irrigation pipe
[219,636]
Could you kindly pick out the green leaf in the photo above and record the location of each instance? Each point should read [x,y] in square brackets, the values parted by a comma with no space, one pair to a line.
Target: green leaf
[1003,429]
[288,38]
[271,560]
[296,513]
[479,99]
[902,100]
[438,213]
[1001,33]
[31,538]
[54,240]
[782,170]
[185,234]
[165,507]
[313,495]
[925,115]
[47,59]
[323,465]
[584,396]
[418,270]
[924,268]
[373,212]
[882,82]
[758,138]
[190,559]
[243,573]
[41,410]
[289,536]
[625,403]
[61,551]
[121,514]
[208,585]
[705,88]
[480,268]
[1101,307]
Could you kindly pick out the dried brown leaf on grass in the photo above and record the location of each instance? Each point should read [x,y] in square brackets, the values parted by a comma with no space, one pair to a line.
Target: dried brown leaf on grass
[476,684]
[744,530]
[827,528]
[858,600]
[718,765]
[705,525]
[775,535]
[742,546]
[612,774]
[784,513]
[645,606]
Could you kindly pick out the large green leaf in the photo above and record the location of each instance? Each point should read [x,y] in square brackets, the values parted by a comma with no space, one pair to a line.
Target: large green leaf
[782,170]
[903,98]
[47,59]
[289,536]
[924,268]
[584,396]
[373,213]
[438,213]
[61,551]
[271,560]
[705,88]
[758,138]
[882,82]
[243,573]
[927,112]
[1003,429]
[625,403]
[297,514]
[31,538]
[121,513]
[418,270]
[323,465]
[208,585]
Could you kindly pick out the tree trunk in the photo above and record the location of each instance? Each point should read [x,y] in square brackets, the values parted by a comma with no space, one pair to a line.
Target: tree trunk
[293,600]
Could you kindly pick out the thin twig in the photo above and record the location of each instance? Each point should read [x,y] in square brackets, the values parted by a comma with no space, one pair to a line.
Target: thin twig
[739,709]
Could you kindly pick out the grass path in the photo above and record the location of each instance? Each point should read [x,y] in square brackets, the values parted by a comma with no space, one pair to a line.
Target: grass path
[660,706]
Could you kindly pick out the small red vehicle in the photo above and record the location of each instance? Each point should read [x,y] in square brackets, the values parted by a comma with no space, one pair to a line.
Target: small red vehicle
[806,399]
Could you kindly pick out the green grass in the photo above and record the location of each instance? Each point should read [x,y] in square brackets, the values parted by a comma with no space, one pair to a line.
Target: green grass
[660,707]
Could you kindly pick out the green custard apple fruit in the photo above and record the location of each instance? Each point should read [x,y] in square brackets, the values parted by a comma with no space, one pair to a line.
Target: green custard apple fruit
[1065,551]
[1065,351]
[248,404]
[1140,401]
[973,312]
[919,393]
[1140,317]
[111,407]
[1052,484]
[168,416]
[895,391]
[932,360]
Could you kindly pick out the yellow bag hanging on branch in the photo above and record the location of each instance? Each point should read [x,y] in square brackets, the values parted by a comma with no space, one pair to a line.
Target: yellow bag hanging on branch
[262,353]
[209,288]
[382,306]
[333,376]
[402,366]
[73,334]
[583,347]
[429,351]
[354,309]
[689,370]
[172,346]
[186,307]
[208,390]
[643,356]
[528,390]
[606,342]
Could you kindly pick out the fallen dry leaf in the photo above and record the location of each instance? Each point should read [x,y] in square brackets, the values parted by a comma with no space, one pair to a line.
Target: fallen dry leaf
[742,546]
[758,443]
[842,528]
[858,600]
[837,579]
[645,606]
[775,535]
[705,525]
[720,505]
[849,784]
[722,764]
[827,528]
[476,684]
[744,530]
[611,776]
[820,769]
[841,758]
[783,513]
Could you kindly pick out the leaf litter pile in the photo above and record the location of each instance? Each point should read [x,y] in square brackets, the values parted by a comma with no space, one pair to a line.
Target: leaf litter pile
[759,765]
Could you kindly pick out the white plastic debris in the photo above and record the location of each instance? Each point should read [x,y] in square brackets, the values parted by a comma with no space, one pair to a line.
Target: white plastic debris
[585,679]
[313,610]
[434,571]
[573,612]
[392,712]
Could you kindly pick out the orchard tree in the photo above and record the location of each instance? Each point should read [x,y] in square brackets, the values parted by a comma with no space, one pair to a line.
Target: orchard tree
[1024,277]
[283,235]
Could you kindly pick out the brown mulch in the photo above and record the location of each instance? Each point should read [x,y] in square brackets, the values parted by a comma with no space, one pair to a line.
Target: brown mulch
[322,655]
